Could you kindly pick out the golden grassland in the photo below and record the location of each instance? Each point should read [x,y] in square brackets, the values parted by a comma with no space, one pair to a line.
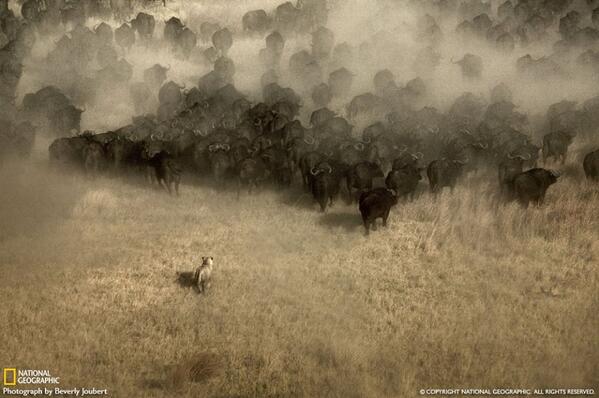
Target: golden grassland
[457,292]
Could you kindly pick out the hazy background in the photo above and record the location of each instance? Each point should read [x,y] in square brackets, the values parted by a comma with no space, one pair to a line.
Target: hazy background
[457,292]
[354,22]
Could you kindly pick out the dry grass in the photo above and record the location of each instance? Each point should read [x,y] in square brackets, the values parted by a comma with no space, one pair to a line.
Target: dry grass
[454,293]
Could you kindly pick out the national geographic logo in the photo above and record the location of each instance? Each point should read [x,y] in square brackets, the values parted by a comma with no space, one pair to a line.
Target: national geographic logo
[12,377]
[9,376]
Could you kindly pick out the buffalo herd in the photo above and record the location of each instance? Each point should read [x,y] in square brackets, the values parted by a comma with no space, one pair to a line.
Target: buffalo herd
[292,130]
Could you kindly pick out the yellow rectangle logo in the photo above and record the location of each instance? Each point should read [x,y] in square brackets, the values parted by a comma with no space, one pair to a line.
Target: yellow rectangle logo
[10,381]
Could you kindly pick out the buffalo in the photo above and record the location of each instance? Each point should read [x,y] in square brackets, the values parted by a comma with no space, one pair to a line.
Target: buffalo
[324,183]
[275,43]
[166,170]
[286,17]
[220,162]
[124,36]
[307,163]
[361,177]
[555,145]
[222,40]
[444,173]
[81,151]
[256,21]
[340,82]
[532,185]
[144,25]
[375,204]
[172,29]
[323,41]
[251,172]
[321,95]
[471,65]
[93,158]
[507,170]
[104,33]
[207,29]
[591,165]
[155,75]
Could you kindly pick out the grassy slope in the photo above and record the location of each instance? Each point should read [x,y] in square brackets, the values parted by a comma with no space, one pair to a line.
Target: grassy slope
[452,294]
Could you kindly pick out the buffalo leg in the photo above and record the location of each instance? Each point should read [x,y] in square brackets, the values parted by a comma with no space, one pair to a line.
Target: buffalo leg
[385,217]
[366,225]
[349,190]
[323,205]
[305,182]
[433,187]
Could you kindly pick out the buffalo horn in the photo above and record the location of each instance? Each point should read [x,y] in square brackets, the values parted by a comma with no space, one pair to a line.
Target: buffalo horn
[309,140]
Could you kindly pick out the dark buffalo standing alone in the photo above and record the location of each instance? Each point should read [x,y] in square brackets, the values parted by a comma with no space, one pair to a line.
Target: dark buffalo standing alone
[375,204]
